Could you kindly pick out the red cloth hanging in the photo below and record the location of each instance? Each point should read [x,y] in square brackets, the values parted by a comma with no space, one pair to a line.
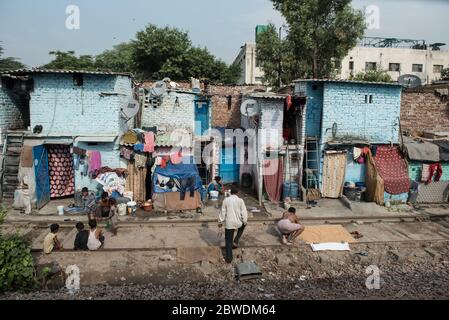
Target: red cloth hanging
[392,168]
[439,172]
[288,101]
[273,176]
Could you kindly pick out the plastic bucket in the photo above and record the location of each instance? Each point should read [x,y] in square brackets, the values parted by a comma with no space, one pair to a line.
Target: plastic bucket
[60,210]
[213,195]
[121,209]
[131,207]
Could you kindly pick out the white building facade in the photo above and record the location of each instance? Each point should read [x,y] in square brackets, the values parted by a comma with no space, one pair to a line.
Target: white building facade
[426,64]
[251,73]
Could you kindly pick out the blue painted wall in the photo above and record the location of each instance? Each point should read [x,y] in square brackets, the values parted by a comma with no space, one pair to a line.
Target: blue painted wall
[64,109]
[343,103]
[415,168]
[314,109]
[377,122]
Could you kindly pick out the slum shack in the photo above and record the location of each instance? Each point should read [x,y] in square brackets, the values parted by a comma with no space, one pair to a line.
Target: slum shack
[68,133]
[276,148]
[352,140]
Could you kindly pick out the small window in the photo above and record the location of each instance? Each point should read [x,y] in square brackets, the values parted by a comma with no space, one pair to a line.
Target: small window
[368,98]
[370,66]
[416,67]
[394,67]
[437,68]
[351,65]
[78,79]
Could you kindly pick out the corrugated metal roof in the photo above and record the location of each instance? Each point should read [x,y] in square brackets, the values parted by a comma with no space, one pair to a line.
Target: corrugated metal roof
[267,95]
[39,70]
[349,81]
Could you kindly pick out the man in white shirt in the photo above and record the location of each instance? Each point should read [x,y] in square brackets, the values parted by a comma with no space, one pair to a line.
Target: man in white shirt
[234,215]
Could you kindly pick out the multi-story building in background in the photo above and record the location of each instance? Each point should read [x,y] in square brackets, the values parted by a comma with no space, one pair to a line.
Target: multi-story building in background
[396,56]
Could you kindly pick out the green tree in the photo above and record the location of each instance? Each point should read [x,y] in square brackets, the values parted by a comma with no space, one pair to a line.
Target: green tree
[372,75]
[155,47]
[319,34]
[117,59]
[9,63]
[168,52]
[68,61]
[156,53]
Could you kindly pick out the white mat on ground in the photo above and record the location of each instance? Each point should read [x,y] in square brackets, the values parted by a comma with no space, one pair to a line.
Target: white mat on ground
[334,246]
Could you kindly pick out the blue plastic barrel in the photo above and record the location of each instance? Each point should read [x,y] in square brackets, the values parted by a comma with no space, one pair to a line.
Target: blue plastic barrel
[290,190]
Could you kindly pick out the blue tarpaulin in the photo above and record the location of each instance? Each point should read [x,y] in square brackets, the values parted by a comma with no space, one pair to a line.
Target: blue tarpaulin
[176,171]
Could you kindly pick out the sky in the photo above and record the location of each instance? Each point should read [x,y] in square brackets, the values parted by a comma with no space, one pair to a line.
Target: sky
[29,29]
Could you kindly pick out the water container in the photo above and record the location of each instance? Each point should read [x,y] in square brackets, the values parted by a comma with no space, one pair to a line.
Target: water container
[60,210]
[132,208]
[213,195]
[290,190]
[203,193]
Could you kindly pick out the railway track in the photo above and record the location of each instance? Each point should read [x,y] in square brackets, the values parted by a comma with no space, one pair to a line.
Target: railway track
[192,222]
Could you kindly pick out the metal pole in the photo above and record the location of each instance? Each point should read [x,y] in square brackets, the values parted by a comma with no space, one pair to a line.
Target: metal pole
[280,58]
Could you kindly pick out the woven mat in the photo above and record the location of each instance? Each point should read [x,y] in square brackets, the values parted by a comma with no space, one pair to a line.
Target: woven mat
[326,233]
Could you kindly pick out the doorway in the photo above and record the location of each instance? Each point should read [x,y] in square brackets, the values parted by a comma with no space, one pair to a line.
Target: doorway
[60,171]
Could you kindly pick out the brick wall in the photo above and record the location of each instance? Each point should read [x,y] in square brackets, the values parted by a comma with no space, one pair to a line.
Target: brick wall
[424,111]
[344,104]
[222,115]
[12,111]
[64,109]
[171,114]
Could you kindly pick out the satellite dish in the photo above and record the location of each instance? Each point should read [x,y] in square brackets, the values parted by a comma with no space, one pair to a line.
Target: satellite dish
[158,88]
[409,81]
[129,109]
[249,108]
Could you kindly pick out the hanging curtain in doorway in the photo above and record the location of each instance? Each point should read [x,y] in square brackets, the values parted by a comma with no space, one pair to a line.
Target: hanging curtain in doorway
[60,168]
[334,169]
[135,182]
[273,176]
